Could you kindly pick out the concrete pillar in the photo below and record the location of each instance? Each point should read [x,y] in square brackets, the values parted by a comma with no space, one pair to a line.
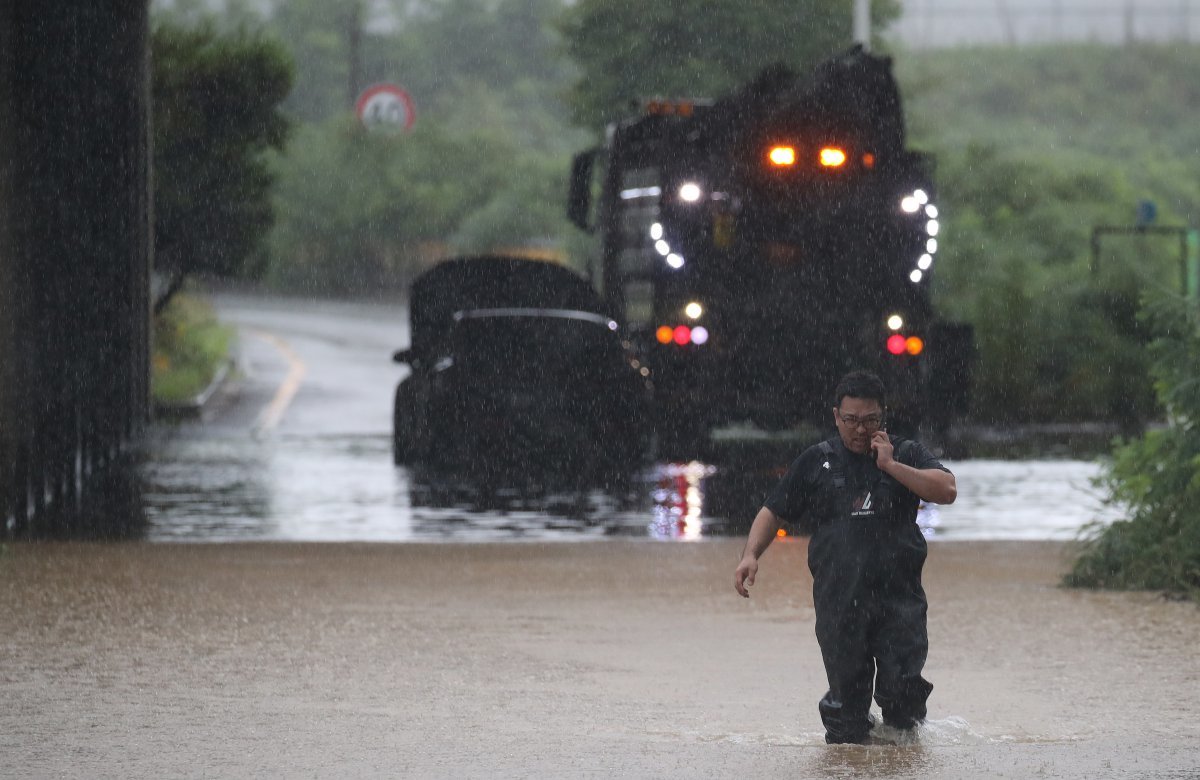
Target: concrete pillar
[74,248]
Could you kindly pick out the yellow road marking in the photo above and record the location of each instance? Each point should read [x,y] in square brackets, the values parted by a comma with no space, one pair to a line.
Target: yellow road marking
[273,412]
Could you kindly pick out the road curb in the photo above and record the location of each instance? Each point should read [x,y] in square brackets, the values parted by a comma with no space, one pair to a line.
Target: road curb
[176,410]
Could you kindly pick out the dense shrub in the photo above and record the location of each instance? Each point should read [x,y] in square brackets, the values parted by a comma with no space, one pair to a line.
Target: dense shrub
[1157,476]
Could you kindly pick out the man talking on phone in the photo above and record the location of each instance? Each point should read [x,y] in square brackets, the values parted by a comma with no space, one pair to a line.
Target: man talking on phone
[859,493]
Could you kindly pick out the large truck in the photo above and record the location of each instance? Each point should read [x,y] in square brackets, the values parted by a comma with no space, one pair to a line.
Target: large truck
[756,247]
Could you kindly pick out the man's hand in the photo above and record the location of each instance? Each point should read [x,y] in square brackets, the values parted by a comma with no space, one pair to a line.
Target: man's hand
[881,446]
[762,532]
[934,485]
[744,576]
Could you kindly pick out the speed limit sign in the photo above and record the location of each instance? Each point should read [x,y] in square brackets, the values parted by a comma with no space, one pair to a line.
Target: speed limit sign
[385,108]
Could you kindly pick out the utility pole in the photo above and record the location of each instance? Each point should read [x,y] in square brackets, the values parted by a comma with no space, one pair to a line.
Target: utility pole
[862,23]
[354,39]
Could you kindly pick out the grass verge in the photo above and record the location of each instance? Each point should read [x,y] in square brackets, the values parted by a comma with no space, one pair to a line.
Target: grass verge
[190,345]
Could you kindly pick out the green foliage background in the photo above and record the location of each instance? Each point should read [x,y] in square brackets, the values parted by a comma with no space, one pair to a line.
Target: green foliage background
[1035,147]
[630,49]
[483,169]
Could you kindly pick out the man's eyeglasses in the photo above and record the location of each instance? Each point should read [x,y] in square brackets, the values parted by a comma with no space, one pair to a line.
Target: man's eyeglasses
[871,422]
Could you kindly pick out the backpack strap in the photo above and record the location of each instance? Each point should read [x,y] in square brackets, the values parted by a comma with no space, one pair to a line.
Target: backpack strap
[837,470]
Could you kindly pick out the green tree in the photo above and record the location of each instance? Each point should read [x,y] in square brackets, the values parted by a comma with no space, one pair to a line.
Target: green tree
[216,98]
[629,49]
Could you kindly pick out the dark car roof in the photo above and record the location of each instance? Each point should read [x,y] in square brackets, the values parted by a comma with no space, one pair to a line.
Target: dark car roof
[492,282]
[525,313]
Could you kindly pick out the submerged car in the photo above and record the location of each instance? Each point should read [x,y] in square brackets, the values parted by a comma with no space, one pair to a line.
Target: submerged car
[517,375]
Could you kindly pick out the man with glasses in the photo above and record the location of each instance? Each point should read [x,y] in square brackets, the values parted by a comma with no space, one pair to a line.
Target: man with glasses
[859,493]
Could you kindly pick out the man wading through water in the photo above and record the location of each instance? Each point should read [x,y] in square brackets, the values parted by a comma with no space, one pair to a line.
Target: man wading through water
[859,492]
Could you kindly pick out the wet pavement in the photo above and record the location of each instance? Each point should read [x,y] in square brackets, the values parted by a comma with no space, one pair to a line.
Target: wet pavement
[297,446]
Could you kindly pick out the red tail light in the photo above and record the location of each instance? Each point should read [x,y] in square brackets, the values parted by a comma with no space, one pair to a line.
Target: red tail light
[681,335]
[898,344]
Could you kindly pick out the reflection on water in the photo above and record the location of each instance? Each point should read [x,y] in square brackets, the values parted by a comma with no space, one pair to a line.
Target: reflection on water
[678,494]
[343,488]
[216,487]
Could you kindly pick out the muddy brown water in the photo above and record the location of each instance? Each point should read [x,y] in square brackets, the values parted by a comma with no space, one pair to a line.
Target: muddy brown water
[613,658]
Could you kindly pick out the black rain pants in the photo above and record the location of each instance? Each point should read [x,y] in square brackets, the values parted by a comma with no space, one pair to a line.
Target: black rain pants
[870,616]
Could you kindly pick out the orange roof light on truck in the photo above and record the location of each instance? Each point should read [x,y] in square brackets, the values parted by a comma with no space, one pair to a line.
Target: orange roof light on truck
[660,107]
[832,157]
[782,155]
[785,156]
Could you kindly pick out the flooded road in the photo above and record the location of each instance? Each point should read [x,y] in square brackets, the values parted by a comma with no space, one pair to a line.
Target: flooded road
[613,658]
[275,653]
[345,488]
[297,447]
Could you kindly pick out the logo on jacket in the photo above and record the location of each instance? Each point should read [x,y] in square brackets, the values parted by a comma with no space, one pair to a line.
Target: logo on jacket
[861,506]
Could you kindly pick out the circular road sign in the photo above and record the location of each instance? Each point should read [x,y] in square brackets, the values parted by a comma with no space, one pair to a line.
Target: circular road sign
[386,108]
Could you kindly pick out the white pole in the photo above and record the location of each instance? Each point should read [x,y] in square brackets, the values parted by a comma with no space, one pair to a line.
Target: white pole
[862,23]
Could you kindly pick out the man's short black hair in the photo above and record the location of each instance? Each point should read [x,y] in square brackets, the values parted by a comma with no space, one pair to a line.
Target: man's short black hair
[860,384]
